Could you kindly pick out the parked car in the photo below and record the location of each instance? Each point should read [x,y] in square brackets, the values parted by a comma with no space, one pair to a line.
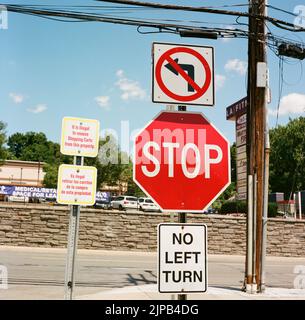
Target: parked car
[210,210]
[146,204]
[17,199]
[102,204]
[124,203]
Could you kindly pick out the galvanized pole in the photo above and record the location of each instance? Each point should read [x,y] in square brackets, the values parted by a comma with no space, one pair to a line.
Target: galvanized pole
[182,219]
[249,257]
[295,206]
[265,213]
[300,205]
[254,283]
[182,216]
[266,188]
[72,243]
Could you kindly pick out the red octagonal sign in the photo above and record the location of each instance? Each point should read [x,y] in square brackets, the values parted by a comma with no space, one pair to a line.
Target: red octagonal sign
[182,161]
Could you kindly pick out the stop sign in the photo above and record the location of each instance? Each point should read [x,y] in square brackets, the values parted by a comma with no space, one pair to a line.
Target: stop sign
[182,161]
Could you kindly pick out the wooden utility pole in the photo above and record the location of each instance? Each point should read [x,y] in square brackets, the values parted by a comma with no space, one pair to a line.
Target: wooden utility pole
[256,128]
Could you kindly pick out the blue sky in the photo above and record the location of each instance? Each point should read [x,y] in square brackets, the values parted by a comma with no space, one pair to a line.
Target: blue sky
[102,71]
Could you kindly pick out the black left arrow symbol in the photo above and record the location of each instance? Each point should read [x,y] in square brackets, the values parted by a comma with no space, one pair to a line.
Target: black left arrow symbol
[189,68]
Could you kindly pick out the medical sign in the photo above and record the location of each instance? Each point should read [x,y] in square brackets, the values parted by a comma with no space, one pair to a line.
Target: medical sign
[183,74]
[79,137]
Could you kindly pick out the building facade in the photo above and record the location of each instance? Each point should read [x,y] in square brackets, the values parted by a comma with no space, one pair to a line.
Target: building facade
[22,173]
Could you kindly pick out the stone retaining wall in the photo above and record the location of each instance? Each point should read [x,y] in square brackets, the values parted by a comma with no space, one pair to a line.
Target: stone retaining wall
[46,226]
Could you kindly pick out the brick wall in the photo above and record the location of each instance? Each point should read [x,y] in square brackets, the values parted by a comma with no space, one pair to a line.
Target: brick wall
[46,226]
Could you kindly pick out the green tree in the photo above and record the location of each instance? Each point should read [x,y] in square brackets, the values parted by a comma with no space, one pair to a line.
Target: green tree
[287,157]
[127,176]
[231,189]
[33,146]
[3,150]
[233,162]
[110,160]
[50,178]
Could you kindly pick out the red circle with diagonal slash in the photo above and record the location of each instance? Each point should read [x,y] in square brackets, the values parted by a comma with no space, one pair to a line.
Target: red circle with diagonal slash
[200,91]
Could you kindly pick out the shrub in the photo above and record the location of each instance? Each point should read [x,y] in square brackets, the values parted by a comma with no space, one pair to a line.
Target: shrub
[272,209]
[234,207]
[242,207]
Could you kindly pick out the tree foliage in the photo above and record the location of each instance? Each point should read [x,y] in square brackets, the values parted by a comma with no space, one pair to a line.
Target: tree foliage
[231,189]
[50,178]
[115,165]
[287,157]
[3,150]
[33,146]
[233,163]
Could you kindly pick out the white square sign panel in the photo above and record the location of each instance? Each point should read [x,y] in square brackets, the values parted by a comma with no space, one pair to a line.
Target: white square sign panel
[182,258]
[183,74]
[76,185]
[80,137]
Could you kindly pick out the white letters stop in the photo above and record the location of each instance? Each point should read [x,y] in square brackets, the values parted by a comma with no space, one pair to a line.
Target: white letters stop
[171,146]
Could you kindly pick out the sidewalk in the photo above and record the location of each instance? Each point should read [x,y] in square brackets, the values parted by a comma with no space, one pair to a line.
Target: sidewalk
[150,292]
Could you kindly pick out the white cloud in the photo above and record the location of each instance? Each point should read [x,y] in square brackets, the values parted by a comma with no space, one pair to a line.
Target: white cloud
[120,73]
[130,89]
[103,101]
[38,108]
[237,66]
[16,97]
[220,81]
[293,103]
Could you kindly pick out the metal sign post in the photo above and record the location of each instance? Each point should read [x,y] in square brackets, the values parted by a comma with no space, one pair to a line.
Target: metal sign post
[182,218]
[72,243]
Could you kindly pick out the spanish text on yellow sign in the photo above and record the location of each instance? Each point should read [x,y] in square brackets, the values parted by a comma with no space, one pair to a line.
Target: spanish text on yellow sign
[76,185]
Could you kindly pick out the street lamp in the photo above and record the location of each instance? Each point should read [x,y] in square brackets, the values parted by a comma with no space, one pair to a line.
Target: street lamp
[21,175]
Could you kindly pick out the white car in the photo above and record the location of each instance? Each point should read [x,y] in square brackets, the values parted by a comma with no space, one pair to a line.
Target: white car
[124,203]
[146,204]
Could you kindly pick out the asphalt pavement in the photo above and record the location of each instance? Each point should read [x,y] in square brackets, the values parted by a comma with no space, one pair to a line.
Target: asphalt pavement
[38,273]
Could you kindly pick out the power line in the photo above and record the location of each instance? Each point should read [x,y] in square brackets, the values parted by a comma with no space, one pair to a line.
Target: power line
[162,25]
[280,88]
[282,10]
[278,23]
[62,15]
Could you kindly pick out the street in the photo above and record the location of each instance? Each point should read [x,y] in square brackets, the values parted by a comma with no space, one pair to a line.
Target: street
[38,273]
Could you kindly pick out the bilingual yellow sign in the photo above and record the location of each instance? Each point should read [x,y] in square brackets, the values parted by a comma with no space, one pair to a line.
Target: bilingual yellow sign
[76,185]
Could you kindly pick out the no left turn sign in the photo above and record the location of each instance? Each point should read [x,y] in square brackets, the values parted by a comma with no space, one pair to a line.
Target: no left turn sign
[183,74]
